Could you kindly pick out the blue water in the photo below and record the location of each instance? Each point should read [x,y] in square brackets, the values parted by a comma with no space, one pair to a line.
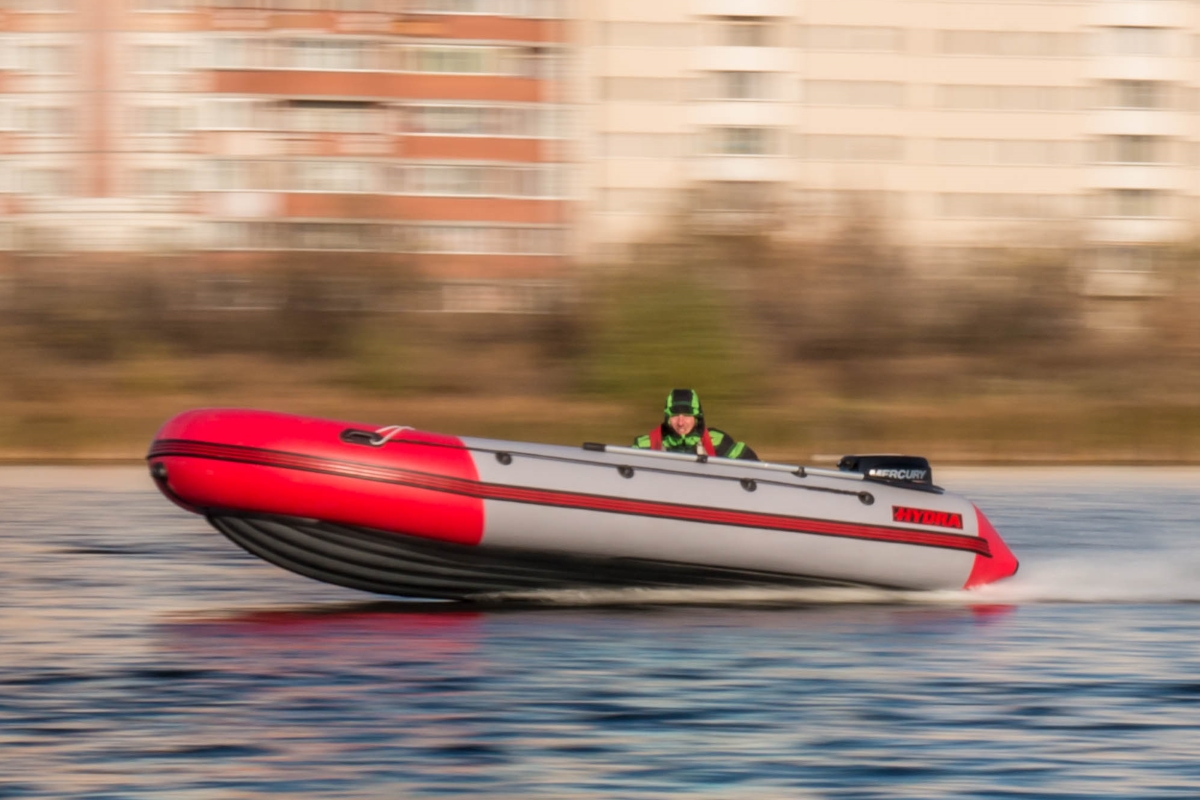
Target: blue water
[144,656]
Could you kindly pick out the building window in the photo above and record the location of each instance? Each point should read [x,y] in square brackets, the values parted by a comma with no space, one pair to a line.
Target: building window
[1135,94]
[164,5]
[1134,203]
[330,55]
[335,176]
[1127,40]
[231,236]
[737,196]
[235,114]
[744,32]
[239,175]
[1129,259]
[40,6]
[333,116]
[480,120]
[158,120]
[9,52]
[738,85]
[542,9]
[742,141]
[48,120]
[335,236]
[47,182]
[469,180]
[46,59]
[472,60]
[156,58]
[486,239]
[332,236]
[239,52]
[160,181]
[1134,149]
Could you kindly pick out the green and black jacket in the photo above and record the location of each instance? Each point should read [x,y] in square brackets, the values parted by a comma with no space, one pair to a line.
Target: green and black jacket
[724,445]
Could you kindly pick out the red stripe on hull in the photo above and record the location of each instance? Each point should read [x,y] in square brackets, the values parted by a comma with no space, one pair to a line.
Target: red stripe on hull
[290,485]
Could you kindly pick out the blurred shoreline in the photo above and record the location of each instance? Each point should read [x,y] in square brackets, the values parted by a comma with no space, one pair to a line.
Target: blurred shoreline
[116,429]
[805,350]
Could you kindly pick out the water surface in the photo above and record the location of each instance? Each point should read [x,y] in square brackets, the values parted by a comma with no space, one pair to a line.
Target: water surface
[142,655]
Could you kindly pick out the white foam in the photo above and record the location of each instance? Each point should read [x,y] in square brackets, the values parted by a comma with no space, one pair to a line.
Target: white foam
[735,596]
[1162,576]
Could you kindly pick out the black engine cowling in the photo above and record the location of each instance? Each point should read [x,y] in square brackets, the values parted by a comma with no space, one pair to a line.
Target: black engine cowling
[901,469]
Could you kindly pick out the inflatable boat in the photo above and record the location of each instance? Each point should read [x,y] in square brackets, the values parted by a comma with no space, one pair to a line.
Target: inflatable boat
[399,511]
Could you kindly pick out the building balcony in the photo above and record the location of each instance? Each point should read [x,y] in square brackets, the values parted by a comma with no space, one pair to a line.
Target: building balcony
[741,113]
[742,59]
[765,169]
[1166,177]
[1141,68]
[1138,122]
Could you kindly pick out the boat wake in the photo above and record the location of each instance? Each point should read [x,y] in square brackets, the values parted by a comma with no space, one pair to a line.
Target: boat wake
[1111,577]
[1159,576]
[715,596]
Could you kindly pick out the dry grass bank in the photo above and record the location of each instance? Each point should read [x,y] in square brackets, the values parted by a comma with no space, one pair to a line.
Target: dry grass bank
[829,346]
[798,413]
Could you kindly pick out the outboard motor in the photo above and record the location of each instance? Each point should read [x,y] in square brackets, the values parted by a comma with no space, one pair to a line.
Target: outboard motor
[893,469]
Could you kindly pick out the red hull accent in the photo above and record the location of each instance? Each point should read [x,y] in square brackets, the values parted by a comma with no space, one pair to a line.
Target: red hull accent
[202,481]
[1001,564]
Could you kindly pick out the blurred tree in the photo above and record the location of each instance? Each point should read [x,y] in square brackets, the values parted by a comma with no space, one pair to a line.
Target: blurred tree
[659,326]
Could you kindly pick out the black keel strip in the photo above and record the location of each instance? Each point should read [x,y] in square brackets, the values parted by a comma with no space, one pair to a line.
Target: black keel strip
[394,564]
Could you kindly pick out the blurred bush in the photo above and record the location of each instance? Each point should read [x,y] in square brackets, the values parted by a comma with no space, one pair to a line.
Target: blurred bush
[648,329]
[783,335]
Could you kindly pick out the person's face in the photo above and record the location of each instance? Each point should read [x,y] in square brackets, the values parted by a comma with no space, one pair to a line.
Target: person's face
[682,424]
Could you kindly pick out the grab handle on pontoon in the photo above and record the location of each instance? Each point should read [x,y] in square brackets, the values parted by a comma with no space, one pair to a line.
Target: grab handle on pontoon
[801,472]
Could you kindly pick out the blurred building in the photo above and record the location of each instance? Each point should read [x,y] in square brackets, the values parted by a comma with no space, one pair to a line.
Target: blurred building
[239,129]
[967,125]
[495,142]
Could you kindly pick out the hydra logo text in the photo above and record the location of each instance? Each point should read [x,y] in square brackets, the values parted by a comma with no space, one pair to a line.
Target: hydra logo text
[923,516]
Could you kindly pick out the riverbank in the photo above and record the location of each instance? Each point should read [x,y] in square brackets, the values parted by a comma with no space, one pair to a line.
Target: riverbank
[805,414]
[803,350]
